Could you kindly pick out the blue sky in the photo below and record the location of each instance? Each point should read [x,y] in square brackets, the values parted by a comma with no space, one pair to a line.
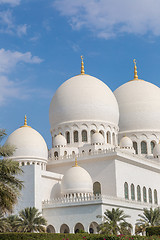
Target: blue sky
[41,43]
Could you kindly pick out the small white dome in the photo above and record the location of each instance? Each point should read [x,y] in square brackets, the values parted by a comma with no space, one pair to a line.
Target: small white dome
[76,180]
[97,138]
[126,142]
[138,102]
[83,98]
[59,140]
[28,143]
[156,150]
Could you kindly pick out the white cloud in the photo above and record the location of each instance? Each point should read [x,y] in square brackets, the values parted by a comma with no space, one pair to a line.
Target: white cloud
[11,89]
[21,30]
[108,18]
[11,2]
[7,24]
[9,59]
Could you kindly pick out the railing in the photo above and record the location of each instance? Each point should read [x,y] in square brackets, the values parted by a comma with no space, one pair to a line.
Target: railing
[81,155]
[71,199]
[93,199]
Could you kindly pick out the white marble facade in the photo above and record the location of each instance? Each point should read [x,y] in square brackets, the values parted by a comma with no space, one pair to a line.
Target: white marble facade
[115,139]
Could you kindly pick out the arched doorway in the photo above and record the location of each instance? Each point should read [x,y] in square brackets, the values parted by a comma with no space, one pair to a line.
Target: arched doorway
[93,227]
[50,229]
[64,228]
[78,227]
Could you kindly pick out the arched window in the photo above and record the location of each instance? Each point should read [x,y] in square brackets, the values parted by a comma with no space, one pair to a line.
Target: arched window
[101,132]
[73,153]
[132,192]
[135,147]
[108,137]
[113,139]
[64,228]
[144,194]
[50,229]
[143,147]
[65,153]
[126,195]
[75,136]
[93,228]
[56,154]
[78,227]
[84,136]
[96,188]
[150,195]
[68,137]
[138,193]
[91,133]
[155,197]
[152,146]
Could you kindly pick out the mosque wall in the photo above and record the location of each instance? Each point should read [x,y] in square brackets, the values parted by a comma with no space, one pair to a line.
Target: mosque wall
[50,185]
[27,198]
[71,215]
[137,175]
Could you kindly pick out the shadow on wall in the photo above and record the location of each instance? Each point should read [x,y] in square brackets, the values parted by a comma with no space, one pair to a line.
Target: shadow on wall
[56,191]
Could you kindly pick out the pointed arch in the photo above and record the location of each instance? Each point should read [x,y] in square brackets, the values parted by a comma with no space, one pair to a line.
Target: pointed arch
[84,136]
[96,188]
[126,193]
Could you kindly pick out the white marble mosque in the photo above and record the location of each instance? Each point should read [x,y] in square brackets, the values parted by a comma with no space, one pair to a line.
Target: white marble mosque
[105,153]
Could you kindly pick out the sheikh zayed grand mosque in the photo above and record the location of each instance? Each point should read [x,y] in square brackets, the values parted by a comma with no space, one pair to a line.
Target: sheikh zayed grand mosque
[105,153]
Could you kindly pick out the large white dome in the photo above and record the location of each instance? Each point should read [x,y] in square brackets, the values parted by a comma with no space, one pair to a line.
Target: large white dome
[28,143]
[139,104]
[76,180]
[83,98]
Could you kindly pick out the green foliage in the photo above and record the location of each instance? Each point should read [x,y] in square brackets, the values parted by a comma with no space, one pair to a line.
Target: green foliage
[78,236]
[115,223]
[13,221]
[4,225]
[30,220]
[150,217]
[150,231]
[10,186]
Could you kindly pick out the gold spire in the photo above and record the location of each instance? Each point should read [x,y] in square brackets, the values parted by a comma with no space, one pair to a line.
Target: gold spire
[25,122]
[82,66]
[76,164]
[135,70]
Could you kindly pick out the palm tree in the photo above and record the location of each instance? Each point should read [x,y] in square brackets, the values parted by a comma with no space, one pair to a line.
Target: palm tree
[9,184]
[115,222]
[14,222]
[4,225]
[30,220]
[150,217]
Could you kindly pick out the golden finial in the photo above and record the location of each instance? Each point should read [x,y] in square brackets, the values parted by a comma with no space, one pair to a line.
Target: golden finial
[135,70]
[82,66]
[25,121]
[76,164]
